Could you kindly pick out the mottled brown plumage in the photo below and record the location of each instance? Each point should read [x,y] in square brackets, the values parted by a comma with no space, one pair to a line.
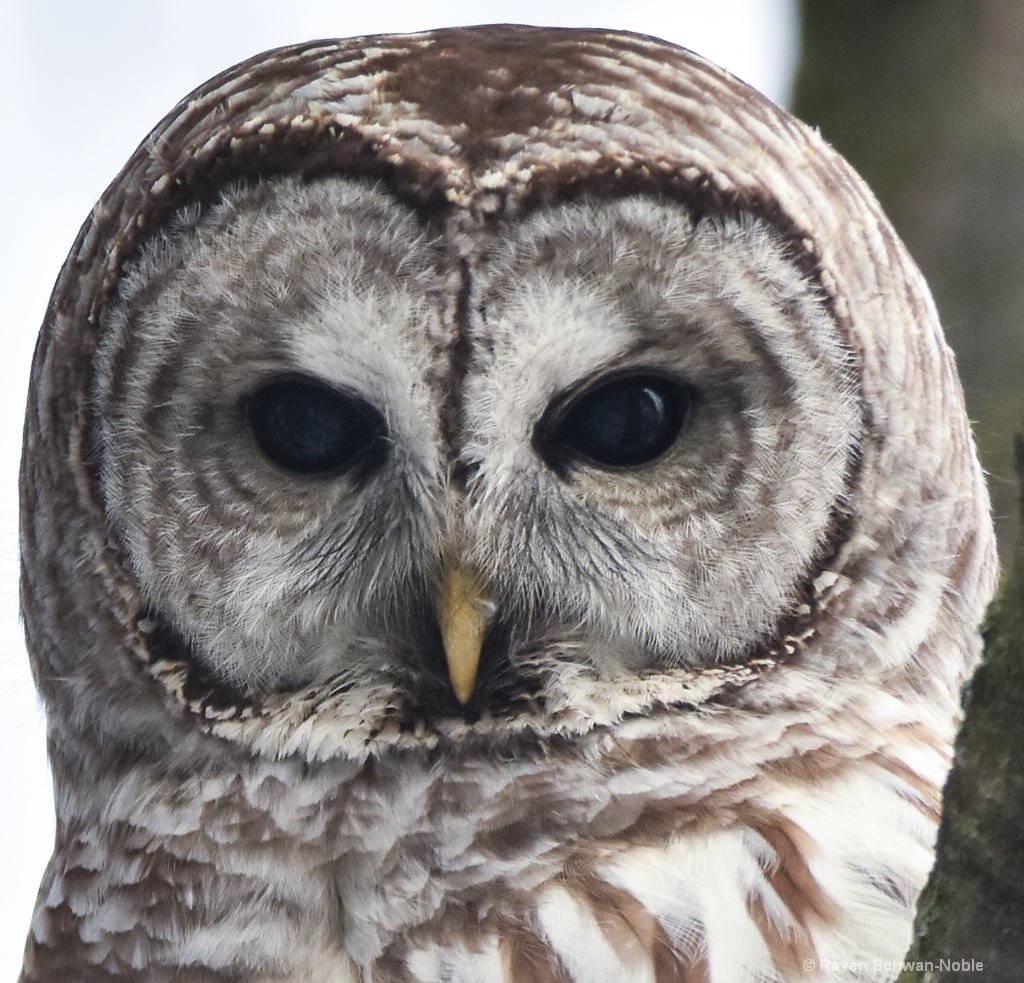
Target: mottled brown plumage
[717,679]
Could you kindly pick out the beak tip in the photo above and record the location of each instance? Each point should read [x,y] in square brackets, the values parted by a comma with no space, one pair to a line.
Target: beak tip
[463,692]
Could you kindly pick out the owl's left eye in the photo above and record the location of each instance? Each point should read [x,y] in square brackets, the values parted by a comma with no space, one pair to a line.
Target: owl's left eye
[308,428]
[625,421]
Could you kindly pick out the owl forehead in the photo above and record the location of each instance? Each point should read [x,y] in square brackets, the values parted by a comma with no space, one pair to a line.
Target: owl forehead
[489,121]
[478,111]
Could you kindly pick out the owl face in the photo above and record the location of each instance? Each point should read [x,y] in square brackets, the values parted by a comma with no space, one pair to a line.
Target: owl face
[592,413]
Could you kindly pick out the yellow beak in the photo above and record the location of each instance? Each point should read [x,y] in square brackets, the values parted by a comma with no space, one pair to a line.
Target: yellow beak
[464,611]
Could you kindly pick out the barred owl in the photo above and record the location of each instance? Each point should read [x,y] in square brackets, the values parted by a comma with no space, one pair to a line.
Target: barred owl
[497,506]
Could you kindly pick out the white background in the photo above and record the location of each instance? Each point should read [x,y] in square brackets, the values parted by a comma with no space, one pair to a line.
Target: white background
[83,81]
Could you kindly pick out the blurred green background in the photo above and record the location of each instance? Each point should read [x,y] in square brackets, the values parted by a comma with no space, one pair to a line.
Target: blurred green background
[926,99]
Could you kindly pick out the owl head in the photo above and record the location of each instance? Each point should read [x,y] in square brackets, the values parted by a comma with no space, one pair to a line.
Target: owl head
[496,505]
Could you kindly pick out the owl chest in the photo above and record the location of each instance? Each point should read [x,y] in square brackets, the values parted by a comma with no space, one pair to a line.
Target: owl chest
[487,870]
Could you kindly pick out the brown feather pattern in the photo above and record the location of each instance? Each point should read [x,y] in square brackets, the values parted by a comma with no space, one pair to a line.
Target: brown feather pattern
[213,834]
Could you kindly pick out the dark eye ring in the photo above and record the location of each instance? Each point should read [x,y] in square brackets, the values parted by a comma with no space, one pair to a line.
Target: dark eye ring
[307,427]
[624,420]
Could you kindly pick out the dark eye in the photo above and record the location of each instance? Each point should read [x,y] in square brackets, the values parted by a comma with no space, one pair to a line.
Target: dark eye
[306,427]
[620,423]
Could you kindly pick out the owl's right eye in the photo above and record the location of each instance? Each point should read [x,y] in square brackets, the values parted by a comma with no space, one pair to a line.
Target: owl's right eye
[308,428]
